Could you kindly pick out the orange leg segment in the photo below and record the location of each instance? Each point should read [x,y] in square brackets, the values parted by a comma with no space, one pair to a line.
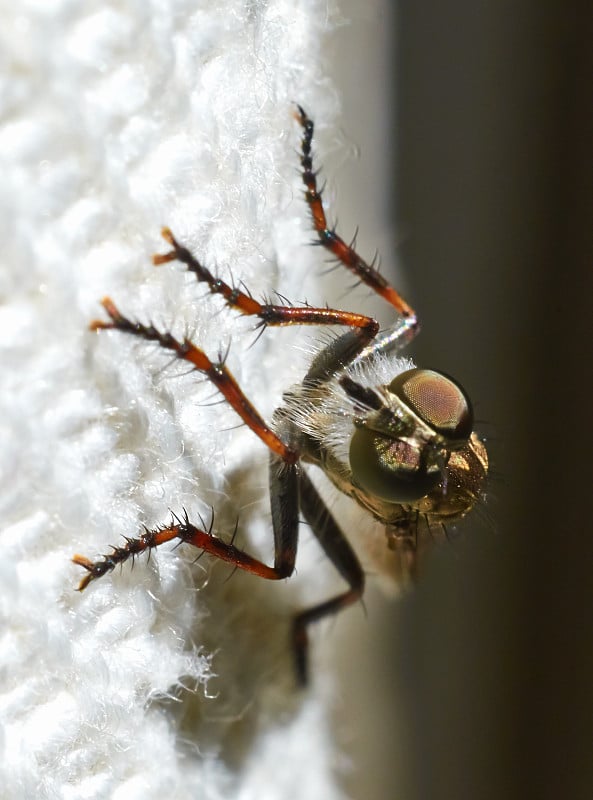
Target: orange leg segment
[217,373]
[274,315]
[183,530]
[330,239]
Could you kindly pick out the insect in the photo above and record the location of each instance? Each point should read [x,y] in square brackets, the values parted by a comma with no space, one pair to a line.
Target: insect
[396,438]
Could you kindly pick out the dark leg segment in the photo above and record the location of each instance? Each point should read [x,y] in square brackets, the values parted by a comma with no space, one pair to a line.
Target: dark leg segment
[330,239]
[338,550]
[284,501]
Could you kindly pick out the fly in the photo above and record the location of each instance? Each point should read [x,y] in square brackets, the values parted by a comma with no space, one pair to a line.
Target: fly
[397,439]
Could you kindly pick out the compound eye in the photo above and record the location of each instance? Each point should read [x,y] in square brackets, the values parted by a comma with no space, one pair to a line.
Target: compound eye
[437,400]
[389,468]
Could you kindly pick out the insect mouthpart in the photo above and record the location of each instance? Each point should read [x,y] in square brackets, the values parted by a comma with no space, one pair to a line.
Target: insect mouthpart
[400,452]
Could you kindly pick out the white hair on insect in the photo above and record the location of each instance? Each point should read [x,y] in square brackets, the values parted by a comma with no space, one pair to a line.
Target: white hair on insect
[326,412]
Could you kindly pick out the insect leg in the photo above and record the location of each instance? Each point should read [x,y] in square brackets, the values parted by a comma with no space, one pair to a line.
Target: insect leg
[339,353]
[284,505]
[274,315]
[284,482]
[182,529]
[342,556]
[284,500]
[217,373]
[330,239]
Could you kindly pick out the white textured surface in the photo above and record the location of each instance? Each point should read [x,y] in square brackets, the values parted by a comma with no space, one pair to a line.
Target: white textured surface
[117,118]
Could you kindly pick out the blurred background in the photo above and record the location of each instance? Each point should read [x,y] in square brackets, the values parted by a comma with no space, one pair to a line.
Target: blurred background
[474,120]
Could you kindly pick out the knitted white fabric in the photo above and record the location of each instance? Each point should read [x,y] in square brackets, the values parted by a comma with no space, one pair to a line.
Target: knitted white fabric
[117,118]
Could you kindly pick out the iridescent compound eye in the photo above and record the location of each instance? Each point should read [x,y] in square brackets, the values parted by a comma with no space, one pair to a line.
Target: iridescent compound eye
[438,401]
[390,469]
[405,470]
